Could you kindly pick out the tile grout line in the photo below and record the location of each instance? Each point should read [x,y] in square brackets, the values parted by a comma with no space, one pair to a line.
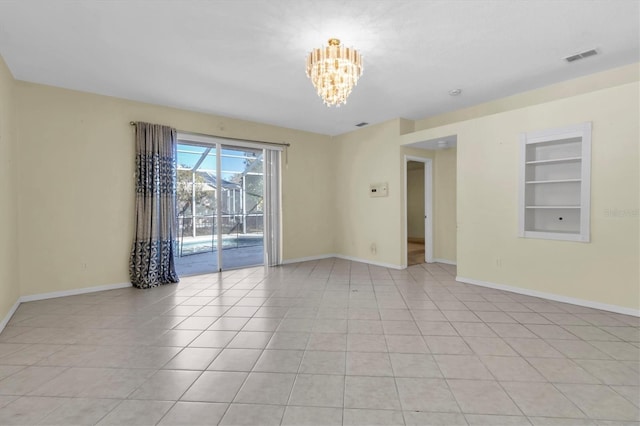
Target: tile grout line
[404,291]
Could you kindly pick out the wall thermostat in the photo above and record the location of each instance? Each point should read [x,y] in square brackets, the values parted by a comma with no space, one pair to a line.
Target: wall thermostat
[378,190]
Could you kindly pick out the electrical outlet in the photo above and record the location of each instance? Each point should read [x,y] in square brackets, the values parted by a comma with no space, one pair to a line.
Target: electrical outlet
[373,248]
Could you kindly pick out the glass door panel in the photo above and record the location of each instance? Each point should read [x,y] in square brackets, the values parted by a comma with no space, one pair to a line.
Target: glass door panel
[196,207]
[220,206]
[242,206]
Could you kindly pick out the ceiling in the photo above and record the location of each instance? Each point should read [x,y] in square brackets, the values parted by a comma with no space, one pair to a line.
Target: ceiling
[246,59]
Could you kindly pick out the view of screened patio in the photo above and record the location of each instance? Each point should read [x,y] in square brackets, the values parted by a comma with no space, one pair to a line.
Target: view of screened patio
[220,206]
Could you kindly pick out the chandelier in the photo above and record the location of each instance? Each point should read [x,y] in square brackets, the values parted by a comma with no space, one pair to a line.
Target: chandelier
[334,70]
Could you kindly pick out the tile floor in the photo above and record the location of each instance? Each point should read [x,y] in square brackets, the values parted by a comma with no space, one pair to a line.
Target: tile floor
[329,342]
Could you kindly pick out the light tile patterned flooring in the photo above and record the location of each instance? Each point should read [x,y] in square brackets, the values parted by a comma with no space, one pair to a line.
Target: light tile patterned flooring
[326,342]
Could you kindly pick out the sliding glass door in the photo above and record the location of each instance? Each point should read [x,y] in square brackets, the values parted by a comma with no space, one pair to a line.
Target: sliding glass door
[242,207]
[220,205]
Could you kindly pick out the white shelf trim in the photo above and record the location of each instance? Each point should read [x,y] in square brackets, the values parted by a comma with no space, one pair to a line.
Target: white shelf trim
[554,235]
[555,160]
[553,181]
[553,207]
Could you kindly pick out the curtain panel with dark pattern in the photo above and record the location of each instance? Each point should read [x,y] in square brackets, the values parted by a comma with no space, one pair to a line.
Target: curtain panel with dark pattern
[152,255]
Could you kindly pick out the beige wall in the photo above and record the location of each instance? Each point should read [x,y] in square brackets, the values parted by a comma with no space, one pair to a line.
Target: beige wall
[415,201]
[9,283]
[604,270]
[75,202]
[76,206]
[444,205]
[565,89]
[364,157]
[308,197]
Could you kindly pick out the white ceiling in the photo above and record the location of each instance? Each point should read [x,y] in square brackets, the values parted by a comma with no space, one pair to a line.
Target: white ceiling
[245,59]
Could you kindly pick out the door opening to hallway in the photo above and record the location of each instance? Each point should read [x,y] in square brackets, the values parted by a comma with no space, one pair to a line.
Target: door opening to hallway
[417,217]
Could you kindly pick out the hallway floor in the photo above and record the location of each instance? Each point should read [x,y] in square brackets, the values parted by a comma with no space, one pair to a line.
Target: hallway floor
[328,342]
[415,253]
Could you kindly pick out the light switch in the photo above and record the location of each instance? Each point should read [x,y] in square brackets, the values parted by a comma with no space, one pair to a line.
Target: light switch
[378,190]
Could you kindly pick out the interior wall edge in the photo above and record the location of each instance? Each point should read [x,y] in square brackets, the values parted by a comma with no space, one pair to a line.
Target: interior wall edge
[9,194]
[9,315]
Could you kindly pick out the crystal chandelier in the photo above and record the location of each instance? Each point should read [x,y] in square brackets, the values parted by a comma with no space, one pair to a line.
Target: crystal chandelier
[334,70]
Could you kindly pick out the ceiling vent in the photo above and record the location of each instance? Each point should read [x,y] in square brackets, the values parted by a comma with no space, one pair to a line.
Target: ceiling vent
[581,55]
[364,123]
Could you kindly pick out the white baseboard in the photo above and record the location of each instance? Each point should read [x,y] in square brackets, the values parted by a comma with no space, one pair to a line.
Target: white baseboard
[448,262]
[551,296]
[308,258]
[54,294]
[74,292]
[370,262]
[7,317]
[340,256]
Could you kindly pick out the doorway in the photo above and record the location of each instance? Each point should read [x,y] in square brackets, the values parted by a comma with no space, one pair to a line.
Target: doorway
[220,205]
[418,208]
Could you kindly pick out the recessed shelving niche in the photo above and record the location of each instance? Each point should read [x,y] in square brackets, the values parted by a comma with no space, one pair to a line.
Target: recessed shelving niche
[555,174]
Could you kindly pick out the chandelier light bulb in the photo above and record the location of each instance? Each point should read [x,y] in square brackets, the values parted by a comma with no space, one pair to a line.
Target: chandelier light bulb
[334,70]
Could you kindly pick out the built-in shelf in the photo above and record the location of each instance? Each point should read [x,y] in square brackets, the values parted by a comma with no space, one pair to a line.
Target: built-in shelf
[531,182]
[555,235]
[555,183]
[555,160]
[553,207]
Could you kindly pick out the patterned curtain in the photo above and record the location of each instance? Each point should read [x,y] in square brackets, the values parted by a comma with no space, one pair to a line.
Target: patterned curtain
[152,262]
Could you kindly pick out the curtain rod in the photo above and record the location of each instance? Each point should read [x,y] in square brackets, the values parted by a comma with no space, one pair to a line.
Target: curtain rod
[133,123]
